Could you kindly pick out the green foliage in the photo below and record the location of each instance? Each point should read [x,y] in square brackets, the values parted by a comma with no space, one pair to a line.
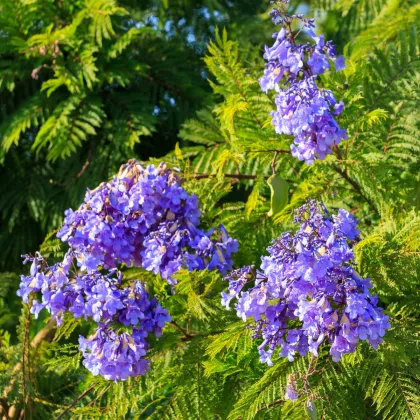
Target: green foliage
[390,253]
[84,85]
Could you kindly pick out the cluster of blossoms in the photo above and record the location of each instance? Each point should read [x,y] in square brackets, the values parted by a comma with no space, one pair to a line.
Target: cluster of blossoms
[143,218]
[308,291]
[105,299]
[303,110]
[115,356]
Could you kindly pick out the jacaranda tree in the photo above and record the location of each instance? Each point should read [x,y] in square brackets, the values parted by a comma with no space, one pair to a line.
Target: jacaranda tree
[259,258]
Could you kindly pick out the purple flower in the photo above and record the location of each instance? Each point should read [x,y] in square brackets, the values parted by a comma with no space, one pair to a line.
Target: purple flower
[318,62]
[346,224]
[102,298]
[340,63]
[302,109]
[143,217]
[309,279]
[339,347]
[114,356]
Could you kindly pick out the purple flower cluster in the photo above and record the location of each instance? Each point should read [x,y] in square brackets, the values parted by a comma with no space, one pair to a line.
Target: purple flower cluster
[303,110]
[115,356]
[144,217]
[308,291]
[104,298]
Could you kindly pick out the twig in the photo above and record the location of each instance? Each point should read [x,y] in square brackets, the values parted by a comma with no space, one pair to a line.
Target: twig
[45,334]
[354,184]
[286,152]
[274,403]
[99,396]
[236,176]
[338,152]
[26,355]
[189,337]
[183,330]
[81,396]
[80,173]
[204,334]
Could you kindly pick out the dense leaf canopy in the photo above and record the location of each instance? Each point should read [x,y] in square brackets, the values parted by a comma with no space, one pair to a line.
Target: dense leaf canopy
[87,85]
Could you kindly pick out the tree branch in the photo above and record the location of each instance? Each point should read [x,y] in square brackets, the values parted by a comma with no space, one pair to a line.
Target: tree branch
[75,401]
[236,176]
[274,403]
[183,330]
[80,173]
[354,184]
[45,334]
[279,151]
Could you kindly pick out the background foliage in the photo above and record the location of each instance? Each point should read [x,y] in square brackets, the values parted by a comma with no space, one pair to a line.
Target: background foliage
[85,85]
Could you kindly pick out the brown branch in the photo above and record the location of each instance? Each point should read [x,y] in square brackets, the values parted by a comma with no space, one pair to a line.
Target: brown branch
[354,184]
[204,334]
[99,396]
[45,334]
[338,152]
[75,401]
[183,330]
[26,355]
[236,176]
[188,337]
[286,152]
[80,173]
[274,403]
